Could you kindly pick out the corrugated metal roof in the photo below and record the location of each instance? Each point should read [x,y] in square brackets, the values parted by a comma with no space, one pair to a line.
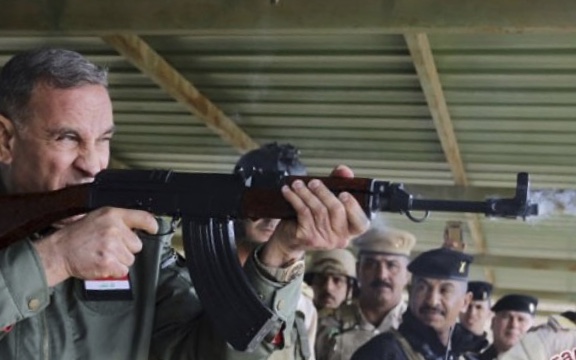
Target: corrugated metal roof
[357,99]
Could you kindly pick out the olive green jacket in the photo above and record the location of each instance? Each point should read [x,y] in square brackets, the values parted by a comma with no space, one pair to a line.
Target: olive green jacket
[164,321]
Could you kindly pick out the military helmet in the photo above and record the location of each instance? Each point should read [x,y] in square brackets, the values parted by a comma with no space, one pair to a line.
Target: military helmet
[336,261]
[283,158]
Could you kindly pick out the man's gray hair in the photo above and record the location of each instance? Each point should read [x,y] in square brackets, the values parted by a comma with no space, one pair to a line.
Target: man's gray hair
[57,68]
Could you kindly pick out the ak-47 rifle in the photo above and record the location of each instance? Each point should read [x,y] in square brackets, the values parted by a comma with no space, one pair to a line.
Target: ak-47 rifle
[207,204]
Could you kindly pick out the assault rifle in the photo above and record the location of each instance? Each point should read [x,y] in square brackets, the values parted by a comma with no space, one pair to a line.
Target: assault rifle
[207,204]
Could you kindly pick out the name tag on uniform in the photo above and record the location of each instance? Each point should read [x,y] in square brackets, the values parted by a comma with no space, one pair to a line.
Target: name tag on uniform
[108,289]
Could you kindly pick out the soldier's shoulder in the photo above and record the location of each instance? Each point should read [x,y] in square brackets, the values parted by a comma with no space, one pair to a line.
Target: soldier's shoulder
[343,312]
[347,314]
[382,346]
[307,291]
[326,312]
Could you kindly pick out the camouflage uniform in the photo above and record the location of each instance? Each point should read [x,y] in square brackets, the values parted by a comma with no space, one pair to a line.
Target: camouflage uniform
[346,329]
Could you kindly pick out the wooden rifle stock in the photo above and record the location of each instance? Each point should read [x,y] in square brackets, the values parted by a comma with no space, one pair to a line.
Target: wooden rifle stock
[24,214]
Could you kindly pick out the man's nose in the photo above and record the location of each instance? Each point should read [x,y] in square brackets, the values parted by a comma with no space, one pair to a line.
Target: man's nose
[432,297]
[513,323]
[89,161]
[382,271]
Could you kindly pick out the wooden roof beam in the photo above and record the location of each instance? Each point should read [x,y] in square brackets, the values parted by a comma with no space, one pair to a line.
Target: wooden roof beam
[75,17]
[141,55]
[421,52]
[425,65]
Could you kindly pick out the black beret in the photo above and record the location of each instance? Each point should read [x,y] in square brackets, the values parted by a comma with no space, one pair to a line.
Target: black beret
[481,290]
[442,263]
[570,315]
[516,302]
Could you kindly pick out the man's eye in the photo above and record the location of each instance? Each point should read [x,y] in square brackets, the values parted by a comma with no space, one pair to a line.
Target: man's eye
[370,264]
[66,137]
[446,290]
[420,288]
[339,280]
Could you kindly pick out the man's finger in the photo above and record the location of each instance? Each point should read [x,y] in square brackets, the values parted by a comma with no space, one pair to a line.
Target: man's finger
[335,209]
[357,220]
[140,220]
[342,171]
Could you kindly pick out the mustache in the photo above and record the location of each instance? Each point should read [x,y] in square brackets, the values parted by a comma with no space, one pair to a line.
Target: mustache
[425,309]
[380,283]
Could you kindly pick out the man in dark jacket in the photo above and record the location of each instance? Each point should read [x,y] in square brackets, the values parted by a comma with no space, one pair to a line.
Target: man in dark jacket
[429,329]
[513,317]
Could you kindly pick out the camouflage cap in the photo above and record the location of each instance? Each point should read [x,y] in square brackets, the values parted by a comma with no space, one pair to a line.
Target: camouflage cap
[336,261]
[386,240]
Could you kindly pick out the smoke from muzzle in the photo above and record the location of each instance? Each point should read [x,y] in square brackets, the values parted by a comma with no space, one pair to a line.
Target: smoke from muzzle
[553,202]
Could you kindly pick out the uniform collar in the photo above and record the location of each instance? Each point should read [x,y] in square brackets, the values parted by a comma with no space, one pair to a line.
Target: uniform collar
[424,339]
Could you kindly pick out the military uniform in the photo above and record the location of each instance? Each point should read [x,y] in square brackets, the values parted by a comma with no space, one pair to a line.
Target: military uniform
[283,159]
[165,318]
[342,331]
[512,302]
[489,353]
[345,329]
[415,341]
[556,340]
[481,291]
[303,332]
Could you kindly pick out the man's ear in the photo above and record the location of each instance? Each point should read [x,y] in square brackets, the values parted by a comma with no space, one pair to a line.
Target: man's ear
[466,302]
[6,139]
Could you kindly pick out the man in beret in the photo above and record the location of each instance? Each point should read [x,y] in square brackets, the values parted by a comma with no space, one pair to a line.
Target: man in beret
[554,340]
[332,276]
[383,255]
[513,317]
[430,328]
[478,313]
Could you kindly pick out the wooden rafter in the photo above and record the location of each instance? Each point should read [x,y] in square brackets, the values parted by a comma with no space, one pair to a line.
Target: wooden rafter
[423,59]
[195,16]
[141,55]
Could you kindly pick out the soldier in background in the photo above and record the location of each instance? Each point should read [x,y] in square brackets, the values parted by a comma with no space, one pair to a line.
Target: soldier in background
[554,340]
[251,233]
[332,275]
[513,317]
[430,328]
[479,312]
[383,255]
